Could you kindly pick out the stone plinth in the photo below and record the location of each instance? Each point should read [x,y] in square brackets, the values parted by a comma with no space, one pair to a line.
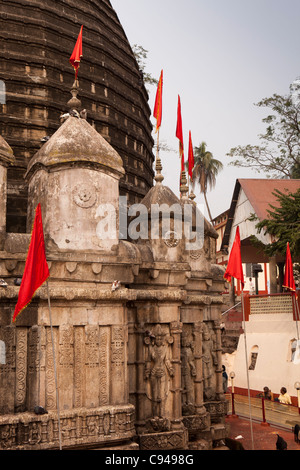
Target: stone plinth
[80,429]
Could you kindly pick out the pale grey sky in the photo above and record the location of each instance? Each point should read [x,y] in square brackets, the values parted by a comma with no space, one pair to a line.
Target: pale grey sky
[221,57]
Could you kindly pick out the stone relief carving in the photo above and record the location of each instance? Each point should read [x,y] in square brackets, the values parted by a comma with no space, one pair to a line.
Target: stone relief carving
[66,355]
[84,195]
[158,369]
[209,363]
[188,372]
[171,239]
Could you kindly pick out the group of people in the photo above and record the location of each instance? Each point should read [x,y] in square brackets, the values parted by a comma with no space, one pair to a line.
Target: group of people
[283,397]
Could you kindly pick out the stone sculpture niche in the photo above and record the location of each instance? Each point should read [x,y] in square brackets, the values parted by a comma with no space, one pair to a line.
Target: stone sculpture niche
[158,373]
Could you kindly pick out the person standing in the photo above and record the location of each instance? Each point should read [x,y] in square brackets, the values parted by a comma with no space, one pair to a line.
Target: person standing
[251,286]
[225,379]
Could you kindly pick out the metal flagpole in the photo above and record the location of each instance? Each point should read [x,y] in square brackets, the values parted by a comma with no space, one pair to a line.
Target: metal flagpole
[247,368]
[295,301]
[55,372]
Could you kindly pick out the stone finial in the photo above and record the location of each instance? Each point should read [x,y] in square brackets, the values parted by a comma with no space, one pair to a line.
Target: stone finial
[74,102]
[158,168]
[183,186]
[192,196]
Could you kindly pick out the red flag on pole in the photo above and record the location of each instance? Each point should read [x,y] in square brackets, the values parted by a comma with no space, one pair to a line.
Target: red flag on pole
[157,113]
[179,134]
[36,270]
[289,281]
[191,157]
[77,53]
[234,267]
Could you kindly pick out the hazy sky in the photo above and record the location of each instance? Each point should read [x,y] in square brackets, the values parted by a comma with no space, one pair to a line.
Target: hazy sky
[221,57]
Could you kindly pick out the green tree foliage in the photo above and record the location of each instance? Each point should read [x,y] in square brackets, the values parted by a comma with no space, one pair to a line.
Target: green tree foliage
[141,56]
[279,154]
[283,224]
[205,171]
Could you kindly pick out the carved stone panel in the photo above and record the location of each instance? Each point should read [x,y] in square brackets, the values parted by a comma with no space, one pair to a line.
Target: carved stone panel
[104,365]
[50,386]
[92,366]
[188,371]
[21,369]
[158,369]
[66,366]
[118,364]
[79,365]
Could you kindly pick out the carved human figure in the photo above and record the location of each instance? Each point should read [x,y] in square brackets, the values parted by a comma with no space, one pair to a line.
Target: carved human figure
[157,369]
[188,371]
[209,361]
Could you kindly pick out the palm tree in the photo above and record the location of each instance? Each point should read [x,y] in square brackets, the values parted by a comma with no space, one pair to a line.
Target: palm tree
[205,171]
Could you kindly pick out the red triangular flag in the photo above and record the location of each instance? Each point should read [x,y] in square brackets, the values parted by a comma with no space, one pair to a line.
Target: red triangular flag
[77,53]
[234,267]
[158,103]
[179,134]
[36,270]
[289,281]
[191,157]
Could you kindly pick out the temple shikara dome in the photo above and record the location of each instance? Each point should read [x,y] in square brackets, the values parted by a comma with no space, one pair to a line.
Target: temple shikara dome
[36,41]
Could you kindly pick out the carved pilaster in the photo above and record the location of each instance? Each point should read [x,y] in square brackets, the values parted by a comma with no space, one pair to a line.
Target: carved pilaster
[218,349]
[21,367]
[140,384]
[66,365]
[50,372]
[34,367]
[79,364]
[104,365]
[176,329]
[92,366]
[197,332]
[118,339]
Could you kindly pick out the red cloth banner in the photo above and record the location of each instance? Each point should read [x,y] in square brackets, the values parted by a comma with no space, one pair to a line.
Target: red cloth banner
[191,157]
[157,113]
[36,270]
[77,53]
[234,266]
[179,133]
[289,282]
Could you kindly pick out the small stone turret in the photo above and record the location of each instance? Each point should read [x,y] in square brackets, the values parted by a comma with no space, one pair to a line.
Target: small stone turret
[75,176]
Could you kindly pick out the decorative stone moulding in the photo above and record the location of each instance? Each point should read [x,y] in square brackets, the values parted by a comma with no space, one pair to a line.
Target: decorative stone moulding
[81,428]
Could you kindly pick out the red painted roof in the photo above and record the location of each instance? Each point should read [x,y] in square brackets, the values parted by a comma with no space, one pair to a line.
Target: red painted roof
[260,192]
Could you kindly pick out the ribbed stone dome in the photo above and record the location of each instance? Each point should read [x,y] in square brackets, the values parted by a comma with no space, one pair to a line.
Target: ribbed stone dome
[36,41]
[76,141]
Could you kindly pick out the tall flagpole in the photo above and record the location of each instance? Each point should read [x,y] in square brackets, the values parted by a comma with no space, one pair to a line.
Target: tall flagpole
[157,145]
[55,371]
[247,368]
[295,301]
